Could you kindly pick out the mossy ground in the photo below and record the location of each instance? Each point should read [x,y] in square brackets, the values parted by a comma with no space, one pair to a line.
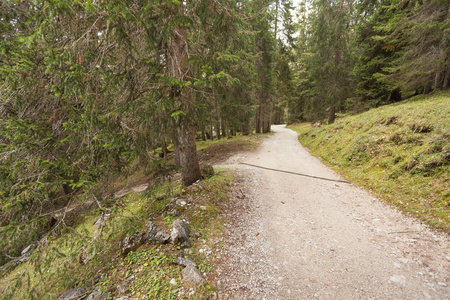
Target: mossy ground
[401,152]
[55,265]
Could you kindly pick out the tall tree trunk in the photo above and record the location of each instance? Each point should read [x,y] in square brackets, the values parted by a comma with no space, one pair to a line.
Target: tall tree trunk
[266,117]
[258,120]
[217,128]
[184,139]
[332,115]
[446,83]
[245,128]
[224,128]
[188,154]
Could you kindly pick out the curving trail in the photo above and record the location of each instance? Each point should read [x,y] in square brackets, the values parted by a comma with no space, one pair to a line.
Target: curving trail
[294,237]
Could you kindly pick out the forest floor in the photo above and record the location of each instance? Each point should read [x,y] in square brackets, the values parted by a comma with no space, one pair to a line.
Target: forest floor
[296,237]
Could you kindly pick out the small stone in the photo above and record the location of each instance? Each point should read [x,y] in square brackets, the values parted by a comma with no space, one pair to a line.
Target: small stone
[160,197]
[96,279]
[398,279]
[195,235]
[404,260]
[442,284]
[202,207]
[173,282]
[173,212]
[184,262]
[95,294]
[192,275]
[181,202]
[448,258]
[207,171]
[121,288]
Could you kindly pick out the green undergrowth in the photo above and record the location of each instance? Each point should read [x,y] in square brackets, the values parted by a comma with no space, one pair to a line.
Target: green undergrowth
[56,264]
[401,152]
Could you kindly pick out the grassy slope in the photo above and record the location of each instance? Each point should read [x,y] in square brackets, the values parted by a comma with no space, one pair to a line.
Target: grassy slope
[401,152]
[55,266]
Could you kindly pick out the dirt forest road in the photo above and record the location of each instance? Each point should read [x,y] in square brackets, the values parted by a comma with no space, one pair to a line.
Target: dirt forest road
[293,237]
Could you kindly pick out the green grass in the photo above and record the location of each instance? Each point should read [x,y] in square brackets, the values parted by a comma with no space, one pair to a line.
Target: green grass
[401,152]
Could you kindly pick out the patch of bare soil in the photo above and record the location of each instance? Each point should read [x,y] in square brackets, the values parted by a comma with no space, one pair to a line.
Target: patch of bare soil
[294,237]
[220,152]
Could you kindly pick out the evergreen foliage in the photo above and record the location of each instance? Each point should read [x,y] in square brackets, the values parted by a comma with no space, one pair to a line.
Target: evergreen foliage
[360,54]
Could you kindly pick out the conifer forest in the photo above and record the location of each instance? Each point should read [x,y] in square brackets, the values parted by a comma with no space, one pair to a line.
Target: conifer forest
[93,88]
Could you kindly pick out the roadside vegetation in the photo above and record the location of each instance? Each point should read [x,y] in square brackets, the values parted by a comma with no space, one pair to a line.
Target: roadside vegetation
[401,152]
[85,254]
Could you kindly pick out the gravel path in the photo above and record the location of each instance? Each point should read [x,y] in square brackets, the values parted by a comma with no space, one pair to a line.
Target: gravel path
[293,237]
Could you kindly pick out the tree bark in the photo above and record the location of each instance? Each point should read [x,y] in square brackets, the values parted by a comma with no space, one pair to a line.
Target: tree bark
[224,128]
[332,116]
[217,128]
[184,135]
[439,80]
[257,120]
[187,150]
[446,83]
[245,128]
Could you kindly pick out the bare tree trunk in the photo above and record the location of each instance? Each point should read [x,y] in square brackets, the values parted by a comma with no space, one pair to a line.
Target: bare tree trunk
[245,128]
[188,154]
[439,80]
[224,128]
[217,128]
[332,115]
[258,120]
[164,149]
[184,135]
[203,135]
[446,83]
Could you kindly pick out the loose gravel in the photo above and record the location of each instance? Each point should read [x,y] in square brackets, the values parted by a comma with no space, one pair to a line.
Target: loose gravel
[293,237]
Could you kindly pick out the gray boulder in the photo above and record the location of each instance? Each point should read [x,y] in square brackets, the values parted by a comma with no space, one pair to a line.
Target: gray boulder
[131,243]
[192,276]
[180,233]
[184,262]
[162,237]
[154,234]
